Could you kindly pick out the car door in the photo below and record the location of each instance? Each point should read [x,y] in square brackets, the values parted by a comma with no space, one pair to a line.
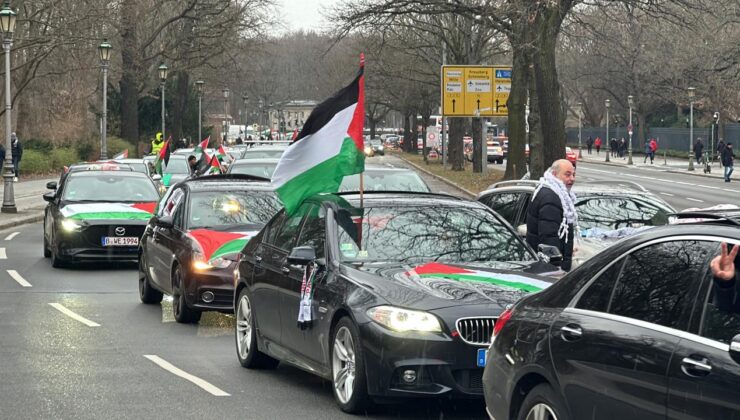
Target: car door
[611,350]
[159,254]
[704,376]
[507,204]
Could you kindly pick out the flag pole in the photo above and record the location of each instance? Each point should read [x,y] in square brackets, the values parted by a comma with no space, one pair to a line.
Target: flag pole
[362,188]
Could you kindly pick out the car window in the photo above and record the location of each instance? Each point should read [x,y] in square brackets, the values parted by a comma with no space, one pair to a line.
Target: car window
[285,228]
[313,233]
[656,282]
[619,212]
[242,208]
[109,187]
[264,170]
[177,166]
[596,297]
[171,202]
[721,312]
[505,204]
[178,218]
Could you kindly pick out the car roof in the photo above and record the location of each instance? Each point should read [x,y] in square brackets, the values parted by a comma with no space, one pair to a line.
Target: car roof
[397,198]
[228,181]
[248,162]
[106,166]
[592,187]
[97,173]
[721,214]
[261,147]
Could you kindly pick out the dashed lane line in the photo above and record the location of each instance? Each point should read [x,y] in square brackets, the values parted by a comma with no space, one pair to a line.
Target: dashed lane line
[3,255]
[206,386]
[18,278]
[11,236]
[694,199]
[668,194]
[61,308]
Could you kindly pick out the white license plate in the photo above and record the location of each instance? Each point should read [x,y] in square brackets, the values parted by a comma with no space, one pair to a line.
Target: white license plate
[120,241]
[481,358]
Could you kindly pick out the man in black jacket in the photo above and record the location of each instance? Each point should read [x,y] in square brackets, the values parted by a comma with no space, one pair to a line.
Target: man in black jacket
[726,280]
[551,218]
[728,161]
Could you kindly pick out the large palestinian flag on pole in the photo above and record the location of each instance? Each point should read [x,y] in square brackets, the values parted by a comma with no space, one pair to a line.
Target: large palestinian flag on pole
[329,147]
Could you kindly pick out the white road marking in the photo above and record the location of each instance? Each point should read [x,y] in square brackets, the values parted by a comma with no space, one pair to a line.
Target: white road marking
[17,277]
[665,193]
[211,389]
[3,255]
[61,308]
[694,199]
[729,190]
[11,236]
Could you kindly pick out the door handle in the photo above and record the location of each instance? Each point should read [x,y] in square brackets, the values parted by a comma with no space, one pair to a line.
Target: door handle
[257,259]
[694,367]
[285,270]
[571,332]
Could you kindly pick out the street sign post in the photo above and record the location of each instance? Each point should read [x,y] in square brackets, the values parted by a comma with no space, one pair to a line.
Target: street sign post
[475,91]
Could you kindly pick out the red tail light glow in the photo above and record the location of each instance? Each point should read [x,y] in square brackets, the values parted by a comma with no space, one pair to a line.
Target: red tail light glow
[501,321]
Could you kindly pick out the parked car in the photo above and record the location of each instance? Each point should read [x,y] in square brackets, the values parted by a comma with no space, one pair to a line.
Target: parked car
[607,210]
[377,146]
[406,294]
[639,331]
[571,156]
[189,249]
[257,167]
[97,212]
[385,178]
[264,152]
[495,153]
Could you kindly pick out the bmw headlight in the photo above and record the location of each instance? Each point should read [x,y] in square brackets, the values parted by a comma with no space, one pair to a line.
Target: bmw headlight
[402,320]
[70,225]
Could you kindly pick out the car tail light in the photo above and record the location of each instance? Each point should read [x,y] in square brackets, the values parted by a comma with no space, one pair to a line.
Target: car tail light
[501,321]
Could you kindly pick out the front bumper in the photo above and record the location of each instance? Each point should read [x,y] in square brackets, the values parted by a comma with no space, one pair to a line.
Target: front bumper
[443,365]
[86,244]
[218,281]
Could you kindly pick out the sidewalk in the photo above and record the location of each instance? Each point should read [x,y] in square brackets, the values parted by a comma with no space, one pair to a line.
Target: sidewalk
[667,164]
[28,200]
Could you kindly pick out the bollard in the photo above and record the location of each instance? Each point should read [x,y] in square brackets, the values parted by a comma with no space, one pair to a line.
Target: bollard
[514,168]
[665,161]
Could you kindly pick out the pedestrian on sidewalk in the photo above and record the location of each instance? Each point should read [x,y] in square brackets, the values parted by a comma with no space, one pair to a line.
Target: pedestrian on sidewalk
[622,148]
[613,147]
[551,217]
[597,144]
[720,148]
[589,144]
[17,154]
[653,149]
[647,152]
[728,160]
[698,150]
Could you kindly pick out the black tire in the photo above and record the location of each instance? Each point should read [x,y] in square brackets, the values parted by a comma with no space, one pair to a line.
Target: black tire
[245,335]
[180,309]
[147,293]
[56,260]
[359,400]
[47,251]
[542,397]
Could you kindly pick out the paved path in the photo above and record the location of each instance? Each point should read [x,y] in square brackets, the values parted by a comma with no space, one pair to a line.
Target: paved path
[28,200]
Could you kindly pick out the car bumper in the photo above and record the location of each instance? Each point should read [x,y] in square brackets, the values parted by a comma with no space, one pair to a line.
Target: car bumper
[87,243]
[218,282]
[443,365]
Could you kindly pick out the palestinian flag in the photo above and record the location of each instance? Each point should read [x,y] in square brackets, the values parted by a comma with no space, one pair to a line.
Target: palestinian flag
[163,156]
[122,155]
[109,211]
[215,165]
[217,244]
[329,146]
[202,146]
[223,155]
[460,274]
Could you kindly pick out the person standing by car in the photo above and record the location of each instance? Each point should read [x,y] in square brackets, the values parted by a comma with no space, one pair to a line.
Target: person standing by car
[726,280]
[551,217]
[17,154]
[728,160]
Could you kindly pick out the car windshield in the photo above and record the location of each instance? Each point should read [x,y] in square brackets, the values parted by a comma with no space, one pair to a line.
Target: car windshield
[177,166]
[264,170]
[263,154]
[619,212]
[429,233]
[385,181]
[137,166]
[109,187]
[376,142]
[248,209]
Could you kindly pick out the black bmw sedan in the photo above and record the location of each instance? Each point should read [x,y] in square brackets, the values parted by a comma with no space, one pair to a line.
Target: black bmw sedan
[396,296]
[97,212]
[644,330]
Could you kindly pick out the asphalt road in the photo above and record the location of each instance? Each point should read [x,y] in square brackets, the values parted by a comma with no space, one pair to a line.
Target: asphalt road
[109,363]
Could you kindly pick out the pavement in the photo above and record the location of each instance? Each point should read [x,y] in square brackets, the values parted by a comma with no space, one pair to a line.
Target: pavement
[28,199]
[669,164]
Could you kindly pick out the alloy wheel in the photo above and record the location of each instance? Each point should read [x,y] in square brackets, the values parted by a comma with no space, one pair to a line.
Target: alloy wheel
[541,411]
[243,326]
[343,365]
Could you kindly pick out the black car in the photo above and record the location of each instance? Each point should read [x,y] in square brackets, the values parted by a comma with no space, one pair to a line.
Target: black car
[377,145]
[406,291]
[641,331]
[97,212]
[189,248]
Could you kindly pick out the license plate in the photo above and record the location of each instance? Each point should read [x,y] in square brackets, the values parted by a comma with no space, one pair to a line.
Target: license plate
[482,356]
[120,241]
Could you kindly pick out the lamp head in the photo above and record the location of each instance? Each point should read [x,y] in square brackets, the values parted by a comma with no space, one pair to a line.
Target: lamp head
[104,51]
[692,92]
[163,72]
[607,103]
[226,93]
[199,84]
[7,19]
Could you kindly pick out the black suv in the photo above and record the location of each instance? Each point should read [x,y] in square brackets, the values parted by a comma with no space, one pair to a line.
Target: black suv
[641,331]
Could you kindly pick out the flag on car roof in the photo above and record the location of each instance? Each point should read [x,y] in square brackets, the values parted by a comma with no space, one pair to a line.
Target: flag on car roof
[215,165]
[163,156]
[122,155]
[329,147]
[223,154]
[202,146]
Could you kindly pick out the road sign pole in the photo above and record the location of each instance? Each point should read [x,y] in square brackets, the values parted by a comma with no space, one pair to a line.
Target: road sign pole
[484,146]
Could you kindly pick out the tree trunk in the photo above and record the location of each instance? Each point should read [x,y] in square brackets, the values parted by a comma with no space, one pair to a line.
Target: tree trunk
[407,132]
[129,83]
[477,134]
[372,123]
[517,103]
[536,156]
[178,104]
[455,143]
[641,131]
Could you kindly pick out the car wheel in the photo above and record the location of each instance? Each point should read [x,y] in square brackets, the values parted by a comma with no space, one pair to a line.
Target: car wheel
[56,260]
[542,404]
[147,293]
[348,368]
[180,309]
[47,251]
[246,337]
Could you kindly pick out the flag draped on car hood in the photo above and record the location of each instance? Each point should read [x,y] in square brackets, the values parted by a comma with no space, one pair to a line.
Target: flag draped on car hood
[329,146]
[109,211]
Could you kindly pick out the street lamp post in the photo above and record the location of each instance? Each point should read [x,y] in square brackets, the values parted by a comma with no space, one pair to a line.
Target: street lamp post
[7,24]
[715,133]
[259,119]
[226,113]
[199,85]
[104,50]
[608,145]
[580,153]
[245,98]
[163,78]
[692,92]
[630,100]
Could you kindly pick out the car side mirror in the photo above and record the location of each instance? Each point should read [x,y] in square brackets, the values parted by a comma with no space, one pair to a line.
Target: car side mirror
[165,222]
[550,254]
[49,196]
[521,230]
[301,255]
[156,177]
[735,348]
[51,185]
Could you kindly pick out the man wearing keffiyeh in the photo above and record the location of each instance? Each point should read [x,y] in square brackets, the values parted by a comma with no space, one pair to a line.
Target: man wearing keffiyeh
[551,217]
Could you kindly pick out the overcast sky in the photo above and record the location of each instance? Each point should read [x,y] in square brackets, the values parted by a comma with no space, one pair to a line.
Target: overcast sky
[304,14]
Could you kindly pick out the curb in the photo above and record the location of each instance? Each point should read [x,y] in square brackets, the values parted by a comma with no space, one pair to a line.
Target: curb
[445,180]
[23,220]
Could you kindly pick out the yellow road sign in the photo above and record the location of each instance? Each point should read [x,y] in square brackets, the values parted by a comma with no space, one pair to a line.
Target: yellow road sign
[452,91]
[478,91]
[502,89]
